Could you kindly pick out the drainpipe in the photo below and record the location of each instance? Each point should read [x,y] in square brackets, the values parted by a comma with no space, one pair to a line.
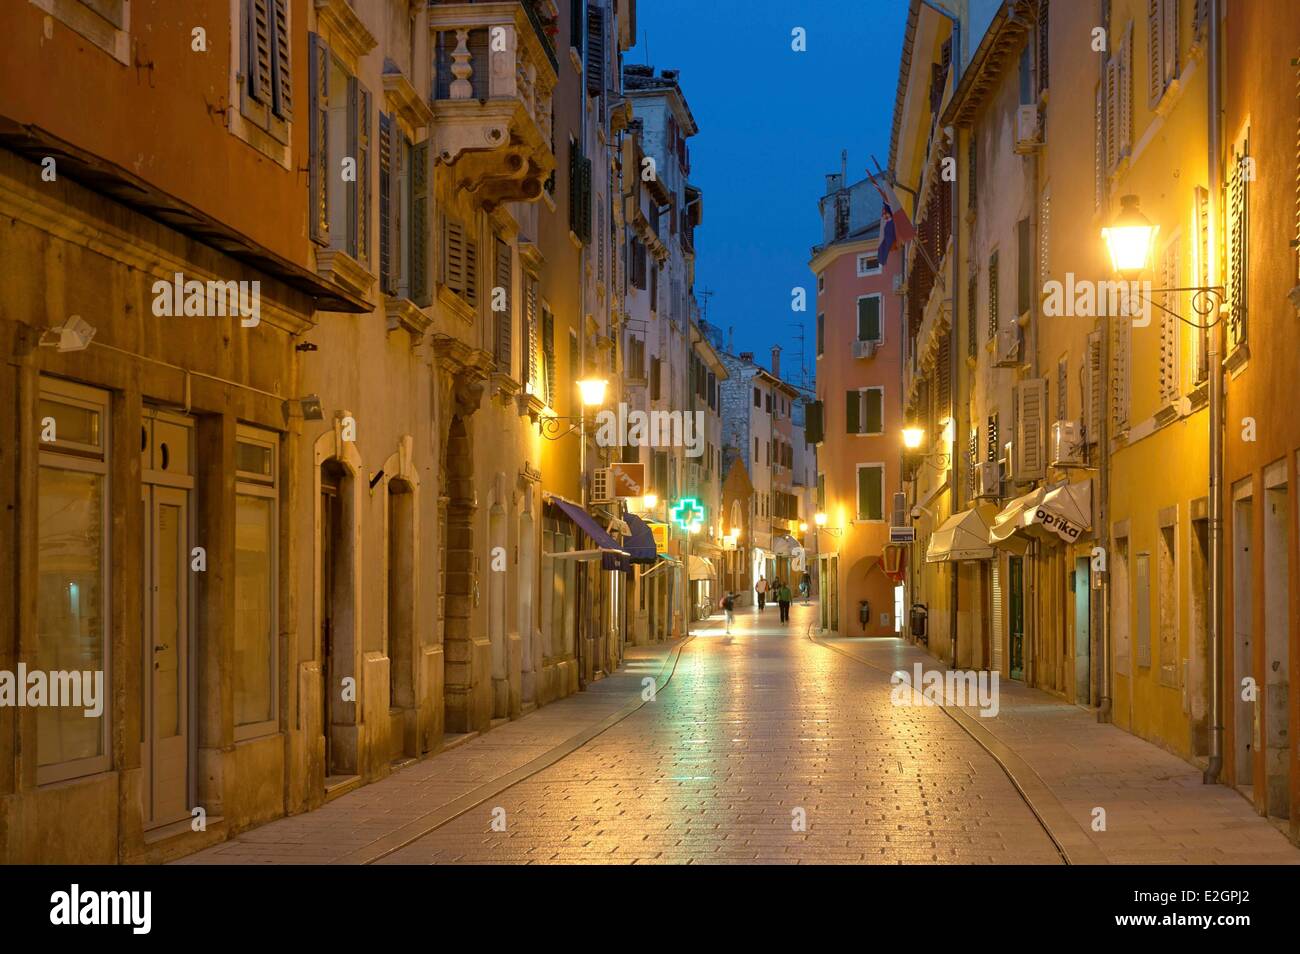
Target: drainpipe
[953,356]
[1105,706]
[1214,349]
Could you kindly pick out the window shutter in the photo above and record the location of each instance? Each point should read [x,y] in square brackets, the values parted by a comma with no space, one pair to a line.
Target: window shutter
[821,334]
[1092,423]
[853,404]
[113,11]
[282,101]
[1112,112]
[993,296]
[1169,41]
[1044,235]
[387,184]
[548,354]
[1043,45]
[260,44]
[1236,233]
[503,319]
[972,316]
[595,50]
[814,430]
[576,10]
[584,199]
[1119,353]
[1024,267]
[359,188]
[874,399]
[1170,331]
[869,319]
[453,255]
[1126,93]
[972,162]
[871,503]
[530,369]
[1200,365]
[943,375]
[319,157]
[471,269]
[1099,147]
[1031,400]
[655,368]
[1155,52]
[421,293]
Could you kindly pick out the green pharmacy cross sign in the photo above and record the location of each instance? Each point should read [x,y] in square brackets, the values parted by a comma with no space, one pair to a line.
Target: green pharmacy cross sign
[688,513]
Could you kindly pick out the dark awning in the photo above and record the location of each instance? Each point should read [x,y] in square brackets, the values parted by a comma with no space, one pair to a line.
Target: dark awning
[640,545]
[613,555]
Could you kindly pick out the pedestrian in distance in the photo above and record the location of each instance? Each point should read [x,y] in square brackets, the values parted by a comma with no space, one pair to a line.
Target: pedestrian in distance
[805,586]
[729,608]
[761,589]
[783,596]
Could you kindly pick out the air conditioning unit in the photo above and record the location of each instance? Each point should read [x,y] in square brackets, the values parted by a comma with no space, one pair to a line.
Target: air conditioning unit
[988,479]
[865,349]
[602,486]
[1028,137]
[1008,352]
[1066,448]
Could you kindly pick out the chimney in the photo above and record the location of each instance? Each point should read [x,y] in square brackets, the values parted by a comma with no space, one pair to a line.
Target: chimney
[776,361]
[747,357]
[731,339]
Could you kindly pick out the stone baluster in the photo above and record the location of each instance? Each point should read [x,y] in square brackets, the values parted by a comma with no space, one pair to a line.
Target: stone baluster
[461,87]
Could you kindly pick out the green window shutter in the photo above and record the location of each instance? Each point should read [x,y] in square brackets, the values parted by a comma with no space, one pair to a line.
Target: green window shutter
[503,319]
[869,319]
[530,369]
[260,45]
[420,291]
[814,427]
[875,402]
[318,185]
[871,503]
[359,189]
[548,354]
[853,402]
[595,50]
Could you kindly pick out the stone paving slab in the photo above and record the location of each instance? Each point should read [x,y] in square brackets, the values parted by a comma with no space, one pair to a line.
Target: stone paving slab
[1158,811]
[345,827]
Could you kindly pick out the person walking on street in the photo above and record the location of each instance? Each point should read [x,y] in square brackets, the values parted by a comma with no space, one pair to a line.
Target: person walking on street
[783,598]
[761,589]
[729,608]
[805,585]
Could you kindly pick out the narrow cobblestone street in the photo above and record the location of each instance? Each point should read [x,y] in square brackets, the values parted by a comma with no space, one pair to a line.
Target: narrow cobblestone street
[758,732]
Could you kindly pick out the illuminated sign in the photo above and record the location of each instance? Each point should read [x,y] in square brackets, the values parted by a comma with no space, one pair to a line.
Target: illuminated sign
[688,513]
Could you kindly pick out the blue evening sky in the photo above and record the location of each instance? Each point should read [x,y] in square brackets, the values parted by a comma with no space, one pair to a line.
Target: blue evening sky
[772,124]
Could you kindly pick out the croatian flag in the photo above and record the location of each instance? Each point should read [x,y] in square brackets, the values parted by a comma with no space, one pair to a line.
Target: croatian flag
[896,229]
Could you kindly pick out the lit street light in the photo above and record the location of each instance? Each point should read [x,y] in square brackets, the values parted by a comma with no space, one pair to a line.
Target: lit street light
[1130,238]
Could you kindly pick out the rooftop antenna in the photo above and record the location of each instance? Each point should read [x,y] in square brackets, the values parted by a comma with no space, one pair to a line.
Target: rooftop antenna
[704,294]
[803,364]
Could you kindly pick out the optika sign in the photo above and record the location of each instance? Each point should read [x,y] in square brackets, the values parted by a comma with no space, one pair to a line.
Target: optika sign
[1088,299]
[196,299]
[1064,529]
[636,428]
[950,688]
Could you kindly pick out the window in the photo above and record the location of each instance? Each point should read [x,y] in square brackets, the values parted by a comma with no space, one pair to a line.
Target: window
[756,454]
[656,375]
[821,334]
[1119,101]
[503,319]
[459,261]
[868,264]
[758,398]
[1170,326]
[256,629]
[340,138]
[1162,48]
[266,91]
[871,492]
[993,296]
[1119,375]
[865,411]
[403,213]
[821,492]
[972,316]
[548,354]
[869,328]
[1236,231]
[71,572]
[579,192]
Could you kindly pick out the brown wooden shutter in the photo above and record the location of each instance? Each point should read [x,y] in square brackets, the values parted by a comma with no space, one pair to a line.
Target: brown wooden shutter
[530,342]
[943,375]
[548,353]
[359,191]
[503,319]
[421,292]
[595,50]
[453,255]
[388,185]
[1155,53]
[319,79]
[282,101]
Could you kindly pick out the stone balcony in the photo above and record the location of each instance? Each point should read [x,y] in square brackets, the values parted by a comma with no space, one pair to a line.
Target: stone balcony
[495,74]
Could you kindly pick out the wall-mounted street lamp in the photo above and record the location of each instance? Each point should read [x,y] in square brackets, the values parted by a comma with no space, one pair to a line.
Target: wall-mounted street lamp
[591,393]
[914,438]
[1130,240]
[819,518]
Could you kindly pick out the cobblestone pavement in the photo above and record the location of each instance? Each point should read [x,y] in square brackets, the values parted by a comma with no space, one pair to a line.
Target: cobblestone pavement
[770,747]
